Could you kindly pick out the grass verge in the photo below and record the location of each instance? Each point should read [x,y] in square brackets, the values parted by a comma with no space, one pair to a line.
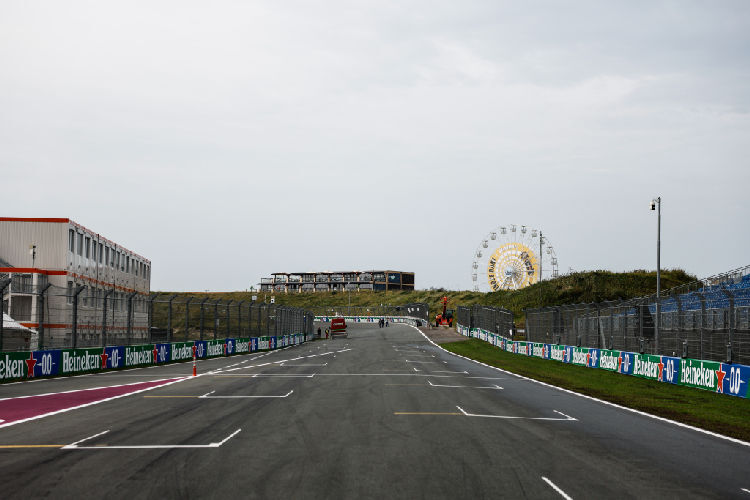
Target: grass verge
[719,413]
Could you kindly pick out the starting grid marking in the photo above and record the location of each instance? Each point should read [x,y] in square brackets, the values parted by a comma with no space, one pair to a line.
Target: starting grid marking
[463,413]
[76,445]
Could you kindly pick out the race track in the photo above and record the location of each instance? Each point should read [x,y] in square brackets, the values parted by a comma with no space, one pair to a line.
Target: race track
[382,414]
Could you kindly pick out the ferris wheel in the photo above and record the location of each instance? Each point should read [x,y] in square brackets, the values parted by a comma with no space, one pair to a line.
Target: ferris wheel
[512,257]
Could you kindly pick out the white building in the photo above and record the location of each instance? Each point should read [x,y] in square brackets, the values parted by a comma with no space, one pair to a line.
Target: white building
[113,282]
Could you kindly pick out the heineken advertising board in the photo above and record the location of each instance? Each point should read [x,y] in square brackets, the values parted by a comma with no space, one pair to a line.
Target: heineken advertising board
[53,362]
[81,360]
[242,345]
[182,351]
[709,375]
[214,348]
[139,355]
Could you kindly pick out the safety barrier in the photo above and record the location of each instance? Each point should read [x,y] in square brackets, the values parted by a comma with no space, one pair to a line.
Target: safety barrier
[374,319]
[724,378]
[50,363]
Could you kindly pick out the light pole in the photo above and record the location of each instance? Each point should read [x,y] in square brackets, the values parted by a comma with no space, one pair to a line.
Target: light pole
[656,205]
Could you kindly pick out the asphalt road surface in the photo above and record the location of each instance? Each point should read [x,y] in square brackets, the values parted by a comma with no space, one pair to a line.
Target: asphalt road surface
[381,414]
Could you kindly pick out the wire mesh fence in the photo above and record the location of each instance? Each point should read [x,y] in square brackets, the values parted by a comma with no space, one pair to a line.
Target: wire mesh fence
[708,319]
[492,319]
[51,317]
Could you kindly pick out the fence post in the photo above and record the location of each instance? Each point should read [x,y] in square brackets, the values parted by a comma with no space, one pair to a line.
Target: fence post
[703,321]
[150,325]
[169,317]
[187,316]
[131,295]
[732,325]
[74,333]
[40,314]
[216,318]
[228,318]
[3,285]
[203,309]
[107,293]
[239,318]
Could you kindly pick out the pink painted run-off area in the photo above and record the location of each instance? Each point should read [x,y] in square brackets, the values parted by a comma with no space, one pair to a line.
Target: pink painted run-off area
[25,407]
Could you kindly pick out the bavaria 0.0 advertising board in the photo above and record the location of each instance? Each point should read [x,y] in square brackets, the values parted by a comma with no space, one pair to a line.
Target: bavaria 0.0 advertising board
[734,380]
[163,353]
[200,349]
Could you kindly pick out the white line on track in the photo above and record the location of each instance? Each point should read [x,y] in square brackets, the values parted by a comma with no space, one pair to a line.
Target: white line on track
[446,371]
[415,369]
[591,398]
[151,446]
[73,445]
[745,490]
[512,417]
[556,488]
[208,396]
[496,387]
[295,366]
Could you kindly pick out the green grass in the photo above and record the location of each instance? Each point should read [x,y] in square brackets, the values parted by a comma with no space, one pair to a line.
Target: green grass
[719,413]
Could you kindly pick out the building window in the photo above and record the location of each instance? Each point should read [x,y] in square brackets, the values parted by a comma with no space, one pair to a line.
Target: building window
[100,253]
[88,247]
[71,240]
[80,244]
[70,292]
[106,256]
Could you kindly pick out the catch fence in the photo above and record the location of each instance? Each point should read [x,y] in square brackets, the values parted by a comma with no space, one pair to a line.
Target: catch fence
[492,319]
[708,319]
[49,317]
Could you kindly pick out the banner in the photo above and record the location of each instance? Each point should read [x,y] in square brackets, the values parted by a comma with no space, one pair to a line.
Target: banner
[215,348]
[138,355]
[181,351]
[200,349]
[163,353]
[242,345]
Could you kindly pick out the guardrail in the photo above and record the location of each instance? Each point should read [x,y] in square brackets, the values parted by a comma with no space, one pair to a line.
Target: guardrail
[374,319]
[16,365]
[724,378]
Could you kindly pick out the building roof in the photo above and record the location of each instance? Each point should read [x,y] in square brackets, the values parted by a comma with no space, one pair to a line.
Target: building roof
[11,324]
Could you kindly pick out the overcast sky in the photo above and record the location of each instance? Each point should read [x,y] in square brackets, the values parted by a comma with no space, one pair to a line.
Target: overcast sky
[228,140]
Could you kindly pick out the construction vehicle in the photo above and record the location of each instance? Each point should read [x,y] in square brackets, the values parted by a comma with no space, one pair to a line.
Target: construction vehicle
[446,317]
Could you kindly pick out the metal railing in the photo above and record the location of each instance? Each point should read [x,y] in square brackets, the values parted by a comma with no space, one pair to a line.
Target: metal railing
[708,319]
[492,319]
[54,317]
